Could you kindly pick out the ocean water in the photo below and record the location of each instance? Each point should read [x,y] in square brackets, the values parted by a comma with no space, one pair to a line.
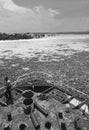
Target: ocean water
[45,49]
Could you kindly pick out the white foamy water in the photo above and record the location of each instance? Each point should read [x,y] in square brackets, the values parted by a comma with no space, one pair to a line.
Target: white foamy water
[50,48]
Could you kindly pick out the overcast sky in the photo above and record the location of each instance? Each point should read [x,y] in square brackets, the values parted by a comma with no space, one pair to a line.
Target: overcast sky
[44,15]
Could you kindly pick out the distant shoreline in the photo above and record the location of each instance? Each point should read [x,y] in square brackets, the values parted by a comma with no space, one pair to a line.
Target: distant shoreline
[71,36]
[29,36]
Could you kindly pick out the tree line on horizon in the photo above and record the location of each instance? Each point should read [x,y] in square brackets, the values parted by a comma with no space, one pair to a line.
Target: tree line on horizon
[17,36]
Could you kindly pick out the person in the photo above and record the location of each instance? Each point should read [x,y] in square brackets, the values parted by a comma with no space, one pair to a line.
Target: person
[8,88]
[9,117]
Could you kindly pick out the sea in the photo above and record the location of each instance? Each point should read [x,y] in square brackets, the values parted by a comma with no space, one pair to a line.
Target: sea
[46,49]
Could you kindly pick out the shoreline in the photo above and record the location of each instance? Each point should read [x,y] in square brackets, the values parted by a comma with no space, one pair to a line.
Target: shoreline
[71,36]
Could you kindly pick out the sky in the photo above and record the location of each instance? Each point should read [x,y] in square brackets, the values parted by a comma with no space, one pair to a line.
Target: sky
[44,15]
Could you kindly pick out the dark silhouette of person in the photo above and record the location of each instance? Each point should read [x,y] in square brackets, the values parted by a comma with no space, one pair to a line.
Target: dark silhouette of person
[8,89]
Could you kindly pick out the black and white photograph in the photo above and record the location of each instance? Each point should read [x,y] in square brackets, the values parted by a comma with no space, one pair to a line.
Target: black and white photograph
[44,64]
